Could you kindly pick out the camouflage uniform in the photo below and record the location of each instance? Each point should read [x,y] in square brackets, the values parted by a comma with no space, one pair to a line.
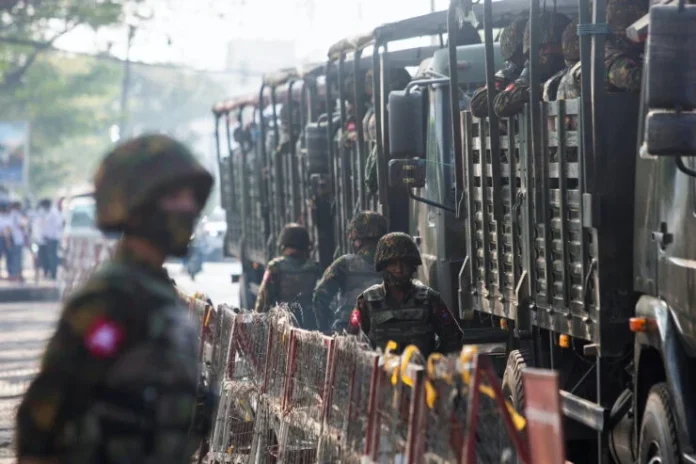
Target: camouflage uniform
[290,279]
[119,380]
[511,49]
[622,58]
[350,274]
[417,318]
[512,100]
[399,79]
[563,85]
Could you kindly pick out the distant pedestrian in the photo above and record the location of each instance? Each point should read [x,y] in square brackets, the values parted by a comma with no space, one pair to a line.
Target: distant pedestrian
[5,234]
[52,232]
[18,233]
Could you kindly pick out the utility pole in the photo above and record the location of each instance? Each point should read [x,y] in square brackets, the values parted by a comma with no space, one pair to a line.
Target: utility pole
[125,86]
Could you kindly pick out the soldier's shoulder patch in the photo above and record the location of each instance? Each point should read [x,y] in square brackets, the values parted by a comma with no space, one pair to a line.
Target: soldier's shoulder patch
[104,338]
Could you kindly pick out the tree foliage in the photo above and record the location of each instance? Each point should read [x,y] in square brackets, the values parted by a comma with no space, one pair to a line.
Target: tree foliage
[72,102]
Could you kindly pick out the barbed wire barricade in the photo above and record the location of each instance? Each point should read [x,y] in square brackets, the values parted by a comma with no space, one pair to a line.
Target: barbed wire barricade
[353,372]
[293,396]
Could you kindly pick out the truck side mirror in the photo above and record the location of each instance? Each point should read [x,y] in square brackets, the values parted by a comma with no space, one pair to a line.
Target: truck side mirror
[670,88]
[406,124]
[407,173]
[670,133]
[317,140]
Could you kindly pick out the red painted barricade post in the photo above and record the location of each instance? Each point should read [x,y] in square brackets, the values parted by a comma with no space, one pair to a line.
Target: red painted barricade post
[544,416]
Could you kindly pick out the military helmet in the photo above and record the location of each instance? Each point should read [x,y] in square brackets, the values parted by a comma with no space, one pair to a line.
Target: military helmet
[294,236]
[367,224]
[136,171]
[396,245]
[571,42]
[398,78]
[466,34]
[512,36]
[551,26]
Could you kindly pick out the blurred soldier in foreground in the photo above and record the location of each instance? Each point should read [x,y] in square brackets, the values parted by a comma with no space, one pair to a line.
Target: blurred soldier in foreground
[350,274]
[119,382]
[401,309]
[291,277]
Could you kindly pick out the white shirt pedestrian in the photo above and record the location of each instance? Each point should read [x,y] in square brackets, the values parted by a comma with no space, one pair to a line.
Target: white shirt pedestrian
[53,224]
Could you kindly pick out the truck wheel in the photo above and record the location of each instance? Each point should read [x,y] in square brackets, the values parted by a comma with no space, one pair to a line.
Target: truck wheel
[658,432]
[512,379]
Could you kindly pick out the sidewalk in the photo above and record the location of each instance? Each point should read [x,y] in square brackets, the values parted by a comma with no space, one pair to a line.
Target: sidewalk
[24,331]
[29,290]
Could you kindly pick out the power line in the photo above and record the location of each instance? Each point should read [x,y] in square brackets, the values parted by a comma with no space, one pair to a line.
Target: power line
[105,57]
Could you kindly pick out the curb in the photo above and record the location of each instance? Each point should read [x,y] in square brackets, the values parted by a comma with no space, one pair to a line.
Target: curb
[28,293]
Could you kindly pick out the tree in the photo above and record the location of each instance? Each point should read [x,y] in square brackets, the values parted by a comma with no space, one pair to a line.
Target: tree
[30,27]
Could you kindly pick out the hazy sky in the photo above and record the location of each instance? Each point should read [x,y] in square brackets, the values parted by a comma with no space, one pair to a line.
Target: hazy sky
[196,32]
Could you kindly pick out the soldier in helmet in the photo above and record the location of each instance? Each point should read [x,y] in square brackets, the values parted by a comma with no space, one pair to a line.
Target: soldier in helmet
[565,84]
[511,49]
[550,60]
[401,309]
[290,278]
[350,274]
[119,380]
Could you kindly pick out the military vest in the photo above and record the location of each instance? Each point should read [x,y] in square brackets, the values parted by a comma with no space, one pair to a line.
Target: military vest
[297,280]
[360,275]
[151,407]
[409,325]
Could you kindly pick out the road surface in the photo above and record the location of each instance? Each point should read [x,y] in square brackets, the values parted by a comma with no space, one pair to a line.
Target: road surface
[24,330]
[215,281]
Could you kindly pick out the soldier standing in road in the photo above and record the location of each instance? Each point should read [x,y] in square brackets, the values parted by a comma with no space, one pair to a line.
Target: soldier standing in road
[401,309]
[350,274]
[119,381]
[291,278]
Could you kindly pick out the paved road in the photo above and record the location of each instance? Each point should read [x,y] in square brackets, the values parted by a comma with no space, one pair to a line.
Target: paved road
[24,330]
[214,281]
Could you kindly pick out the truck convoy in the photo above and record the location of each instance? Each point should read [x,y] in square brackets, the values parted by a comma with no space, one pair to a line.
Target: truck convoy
[554,221]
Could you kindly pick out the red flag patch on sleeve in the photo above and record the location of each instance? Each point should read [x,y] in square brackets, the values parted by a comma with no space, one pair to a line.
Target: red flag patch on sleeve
[104,338]
[355,318]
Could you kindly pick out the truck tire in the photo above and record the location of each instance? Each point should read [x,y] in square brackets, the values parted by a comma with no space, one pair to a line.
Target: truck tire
[512,386]
[658,431]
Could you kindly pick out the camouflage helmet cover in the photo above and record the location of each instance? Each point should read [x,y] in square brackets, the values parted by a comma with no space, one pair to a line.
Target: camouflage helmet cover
[136,171]
[367,224]
[512,36]
[396,245]
[551,26]
[571,42]
[294,236]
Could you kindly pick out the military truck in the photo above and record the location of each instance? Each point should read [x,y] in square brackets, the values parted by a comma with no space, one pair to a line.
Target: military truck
[575,221]
[319,181]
